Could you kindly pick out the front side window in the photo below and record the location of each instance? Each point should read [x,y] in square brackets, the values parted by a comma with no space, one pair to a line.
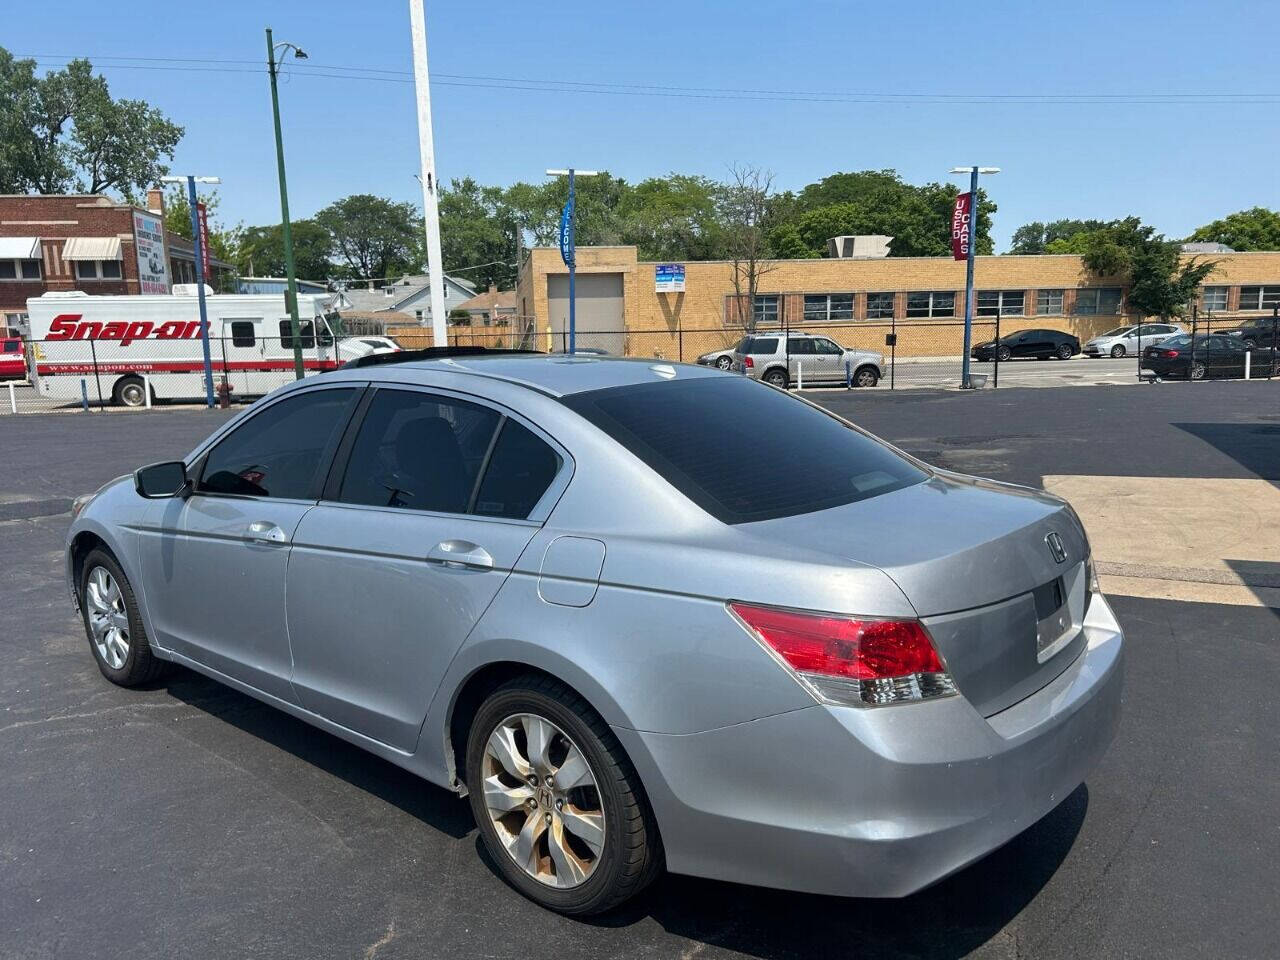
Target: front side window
[306,334]
[879,306]
[821,307]
[1215,299]
[1259,298]
[1098,301]
[1000,303]
[703,437]
[933,303]
[1049,302]
[418,451]
[764,312]
[278,452]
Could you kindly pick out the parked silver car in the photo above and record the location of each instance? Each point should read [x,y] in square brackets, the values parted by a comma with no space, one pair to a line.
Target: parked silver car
[636,628]
[721,359]
[1130,341]
[782,359]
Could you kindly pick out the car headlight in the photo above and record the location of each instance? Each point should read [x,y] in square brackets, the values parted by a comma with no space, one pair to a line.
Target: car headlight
[80,502]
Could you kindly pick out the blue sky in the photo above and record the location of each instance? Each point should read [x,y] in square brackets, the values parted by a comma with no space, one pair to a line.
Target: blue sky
[1175,164]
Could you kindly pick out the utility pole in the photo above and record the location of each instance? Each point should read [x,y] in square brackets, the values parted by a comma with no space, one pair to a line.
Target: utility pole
[968,272]
[191,182]
[291,295]
[430,182]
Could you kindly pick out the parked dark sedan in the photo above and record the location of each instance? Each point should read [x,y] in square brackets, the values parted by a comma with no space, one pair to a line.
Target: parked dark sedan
[1042,344]
[1210,356]
[1256,332]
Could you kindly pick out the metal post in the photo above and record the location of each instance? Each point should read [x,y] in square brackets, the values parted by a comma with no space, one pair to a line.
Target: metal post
[968,278]
[13,399]
[204,309]
[146,385]
[1192,362]
[291,296]
[97,375]
[893,348]
[84,394]
[848,374]
[430,180]
[573,264]
[1275,323]
[995,376]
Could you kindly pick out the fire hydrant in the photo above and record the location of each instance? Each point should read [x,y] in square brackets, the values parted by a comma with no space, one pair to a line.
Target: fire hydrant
[224,395]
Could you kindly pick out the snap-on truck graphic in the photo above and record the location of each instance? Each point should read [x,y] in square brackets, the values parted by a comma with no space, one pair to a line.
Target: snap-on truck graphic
[120,344]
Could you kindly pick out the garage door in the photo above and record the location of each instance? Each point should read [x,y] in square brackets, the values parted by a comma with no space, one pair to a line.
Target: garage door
[599,313]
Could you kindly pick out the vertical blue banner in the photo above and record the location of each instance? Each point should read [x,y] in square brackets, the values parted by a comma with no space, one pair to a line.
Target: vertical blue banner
[566,233]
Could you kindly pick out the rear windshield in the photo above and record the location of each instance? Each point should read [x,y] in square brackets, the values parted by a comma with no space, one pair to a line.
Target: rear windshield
[743,451]
[761,345]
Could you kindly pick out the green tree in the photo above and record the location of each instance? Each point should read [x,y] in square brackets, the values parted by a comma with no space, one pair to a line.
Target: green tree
[260,251]
[1035,237]
[373,237]
[478,229]
[64,131]
[1255,229]
[672,218]
[1161,281]
[223,242]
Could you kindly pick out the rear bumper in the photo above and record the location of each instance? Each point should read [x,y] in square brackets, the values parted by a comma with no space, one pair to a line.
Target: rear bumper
[879,802]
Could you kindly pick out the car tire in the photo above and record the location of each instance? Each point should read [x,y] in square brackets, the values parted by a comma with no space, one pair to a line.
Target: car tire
[1117,351]
[1197,371]
[777,378]
[1064,351]
[1003,354]
[866,377]
[130,391]
[113,625]
[724,363]
[629,855]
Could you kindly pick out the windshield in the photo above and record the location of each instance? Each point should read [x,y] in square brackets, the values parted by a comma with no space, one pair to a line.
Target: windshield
[1117,332]
[743,451]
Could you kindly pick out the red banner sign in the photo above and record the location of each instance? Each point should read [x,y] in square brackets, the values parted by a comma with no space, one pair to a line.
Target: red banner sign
[960,223]
[204,240]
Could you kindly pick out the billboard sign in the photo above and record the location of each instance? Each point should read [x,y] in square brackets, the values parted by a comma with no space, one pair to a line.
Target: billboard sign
[668,278]
[148,241]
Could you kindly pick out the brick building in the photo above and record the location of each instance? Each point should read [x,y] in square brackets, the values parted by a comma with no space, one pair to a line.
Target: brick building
[89,243]
[856,300]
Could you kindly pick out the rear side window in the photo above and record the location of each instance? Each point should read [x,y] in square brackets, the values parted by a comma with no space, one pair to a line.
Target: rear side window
[742,451]
[418,451]
[763,345]
[520,469]
[277,452]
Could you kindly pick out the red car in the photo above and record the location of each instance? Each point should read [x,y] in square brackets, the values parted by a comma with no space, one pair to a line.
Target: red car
[13,362]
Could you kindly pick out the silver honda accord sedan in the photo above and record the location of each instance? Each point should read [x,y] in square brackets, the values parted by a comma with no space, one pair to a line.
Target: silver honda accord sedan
[643,615]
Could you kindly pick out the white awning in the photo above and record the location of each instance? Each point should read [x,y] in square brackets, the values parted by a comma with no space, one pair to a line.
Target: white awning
[19,248]
[91,248]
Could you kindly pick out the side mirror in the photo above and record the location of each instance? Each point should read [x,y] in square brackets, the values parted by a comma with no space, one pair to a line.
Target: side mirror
[159,480]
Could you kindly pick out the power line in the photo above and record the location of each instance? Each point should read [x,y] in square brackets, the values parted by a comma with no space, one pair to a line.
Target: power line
[611,88]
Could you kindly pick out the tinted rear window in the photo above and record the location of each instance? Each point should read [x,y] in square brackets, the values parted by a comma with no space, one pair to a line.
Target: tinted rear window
[762,345]
[743,451]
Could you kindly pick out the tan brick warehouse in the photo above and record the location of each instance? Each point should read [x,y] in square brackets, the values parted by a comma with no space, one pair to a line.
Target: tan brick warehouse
[706,316]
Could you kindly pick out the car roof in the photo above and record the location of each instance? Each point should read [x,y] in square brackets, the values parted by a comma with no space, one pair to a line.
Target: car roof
[555,375]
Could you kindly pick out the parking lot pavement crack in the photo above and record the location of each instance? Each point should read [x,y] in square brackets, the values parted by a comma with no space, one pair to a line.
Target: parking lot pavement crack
[90,715]
[371,951]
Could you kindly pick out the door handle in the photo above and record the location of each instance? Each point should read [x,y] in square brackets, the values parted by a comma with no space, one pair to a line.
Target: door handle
[460,554]
[264,531]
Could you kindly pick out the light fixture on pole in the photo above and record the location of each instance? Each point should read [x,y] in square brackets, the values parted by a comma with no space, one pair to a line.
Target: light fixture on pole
[963,226]
[429,179]
[191,182]
[568,245]
[286,228]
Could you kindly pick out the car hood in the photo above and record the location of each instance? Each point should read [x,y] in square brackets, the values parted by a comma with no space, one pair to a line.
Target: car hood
[950,543]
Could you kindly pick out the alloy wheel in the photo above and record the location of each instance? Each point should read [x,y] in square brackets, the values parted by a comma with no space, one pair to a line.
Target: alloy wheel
[724,363]
[108,617]
[1117,351]
[1197,371]
[543,800]
[1003,354]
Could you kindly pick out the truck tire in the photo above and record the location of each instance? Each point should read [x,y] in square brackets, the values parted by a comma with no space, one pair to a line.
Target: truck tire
[130,391]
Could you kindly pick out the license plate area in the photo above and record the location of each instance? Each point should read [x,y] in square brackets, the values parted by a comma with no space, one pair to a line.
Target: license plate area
[1059,612]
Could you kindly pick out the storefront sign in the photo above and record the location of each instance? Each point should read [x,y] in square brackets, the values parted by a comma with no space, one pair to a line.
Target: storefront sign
[148,240]
[668,278]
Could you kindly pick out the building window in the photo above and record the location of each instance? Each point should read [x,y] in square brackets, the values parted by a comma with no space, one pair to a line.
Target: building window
[417,315]
[1259,298]
[1098,301]
[764,312]
[820,307]
[879,306]
[1000,303]
[931,303]
[98,269]
[1215,299]
[1049,303]
[19,269]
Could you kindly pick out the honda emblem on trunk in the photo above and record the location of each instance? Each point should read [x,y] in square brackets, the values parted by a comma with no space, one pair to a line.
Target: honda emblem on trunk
[1054,542]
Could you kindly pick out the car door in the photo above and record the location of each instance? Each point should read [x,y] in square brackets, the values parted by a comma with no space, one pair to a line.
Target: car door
[214,563]
[1226,356]
[800,357]
[829,359]
[431,501]
[1024,344]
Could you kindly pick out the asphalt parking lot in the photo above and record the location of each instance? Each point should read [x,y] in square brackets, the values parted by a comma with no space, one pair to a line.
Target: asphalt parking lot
[187,820]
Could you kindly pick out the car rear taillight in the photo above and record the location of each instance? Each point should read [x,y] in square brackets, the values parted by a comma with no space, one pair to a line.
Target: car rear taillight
[748,363]
[1170,353]
[850,661]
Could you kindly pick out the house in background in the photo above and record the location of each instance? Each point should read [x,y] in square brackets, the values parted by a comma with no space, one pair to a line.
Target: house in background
[410,296]
[278,285]
[491,308]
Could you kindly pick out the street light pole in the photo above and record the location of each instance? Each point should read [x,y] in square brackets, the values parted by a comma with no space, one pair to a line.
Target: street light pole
[568,246]
[430,179]
[199,257]
[291,296]
[968,271]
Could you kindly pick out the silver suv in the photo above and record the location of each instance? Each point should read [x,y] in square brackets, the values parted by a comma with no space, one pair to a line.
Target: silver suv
[782,359]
